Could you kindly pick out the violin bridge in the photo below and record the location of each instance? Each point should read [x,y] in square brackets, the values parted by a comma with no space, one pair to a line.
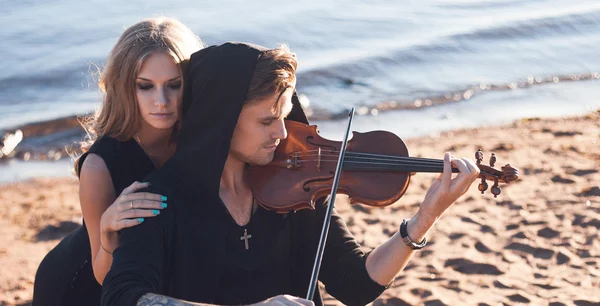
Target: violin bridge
[319,160]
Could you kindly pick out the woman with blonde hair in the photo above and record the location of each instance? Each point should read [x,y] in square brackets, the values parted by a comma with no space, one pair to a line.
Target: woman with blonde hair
[132,135]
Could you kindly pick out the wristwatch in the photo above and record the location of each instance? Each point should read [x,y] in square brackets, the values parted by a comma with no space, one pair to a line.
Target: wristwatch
[411,244]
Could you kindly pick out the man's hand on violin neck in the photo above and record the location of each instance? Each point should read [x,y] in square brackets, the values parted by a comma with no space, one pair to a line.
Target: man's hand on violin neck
[445,190]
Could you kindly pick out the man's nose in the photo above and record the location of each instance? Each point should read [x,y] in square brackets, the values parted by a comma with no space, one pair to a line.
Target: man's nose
[281,131]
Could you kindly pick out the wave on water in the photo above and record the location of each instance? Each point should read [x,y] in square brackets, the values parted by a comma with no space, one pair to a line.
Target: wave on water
[567,24]
[461,42]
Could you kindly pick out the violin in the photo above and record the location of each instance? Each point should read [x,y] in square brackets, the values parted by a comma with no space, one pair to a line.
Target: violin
[376,170]
[373,169]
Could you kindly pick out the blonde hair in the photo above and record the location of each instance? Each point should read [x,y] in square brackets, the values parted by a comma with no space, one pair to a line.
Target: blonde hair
[119,116]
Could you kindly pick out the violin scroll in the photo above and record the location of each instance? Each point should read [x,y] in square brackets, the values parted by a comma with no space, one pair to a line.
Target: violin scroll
[506,175]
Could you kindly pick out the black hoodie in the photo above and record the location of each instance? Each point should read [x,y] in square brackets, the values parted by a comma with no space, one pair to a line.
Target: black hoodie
[181,252]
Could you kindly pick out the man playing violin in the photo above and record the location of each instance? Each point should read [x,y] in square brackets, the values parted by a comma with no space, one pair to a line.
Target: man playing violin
[214,244]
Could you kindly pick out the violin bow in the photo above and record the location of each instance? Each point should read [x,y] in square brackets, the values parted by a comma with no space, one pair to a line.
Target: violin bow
[331,199]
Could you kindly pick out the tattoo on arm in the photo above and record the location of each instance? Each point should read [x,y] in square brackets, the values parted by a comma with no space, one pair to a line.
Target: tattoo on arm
[151,299]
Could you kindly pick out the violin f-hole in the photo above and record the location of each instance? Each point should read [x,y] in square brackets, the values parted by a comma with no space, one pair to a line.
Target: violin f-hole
[305,186]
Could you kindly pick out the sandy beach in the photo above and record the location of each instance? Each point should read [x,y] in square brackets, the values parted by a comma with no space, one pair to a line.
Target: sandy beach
[537,243]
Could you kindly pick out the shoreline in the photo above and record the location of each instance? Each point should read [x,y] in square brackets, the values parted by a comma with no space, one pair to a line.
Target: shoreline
[474,107]
[407,124]
[536,243]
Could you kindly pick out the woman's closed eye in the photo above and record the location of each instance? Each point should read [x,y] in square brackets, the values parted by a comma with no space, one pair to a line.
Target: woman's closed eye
[145,86]
[148,86]
[175,85]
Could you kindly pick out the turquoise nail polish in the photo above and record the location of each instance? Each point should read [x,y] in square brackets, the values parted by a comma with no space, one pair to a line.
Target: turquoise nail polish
[163,198]
[156,212]
[141,219]
[163,205]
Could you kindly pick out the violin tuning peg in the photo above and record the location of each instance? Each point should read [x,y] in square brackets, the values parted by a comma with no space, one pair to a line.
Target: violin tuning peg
[479,156]
[492,159]
[495,188]
[495,191]
[483,186]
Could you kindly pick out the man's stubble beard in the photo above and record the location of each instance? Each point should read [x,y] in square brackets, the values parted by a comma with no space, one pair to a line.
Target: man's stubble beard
[255,159]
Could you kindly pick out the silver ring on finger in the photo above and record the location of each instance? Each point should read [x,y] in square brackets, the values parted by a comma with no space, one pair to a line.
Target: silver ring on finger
[131,204]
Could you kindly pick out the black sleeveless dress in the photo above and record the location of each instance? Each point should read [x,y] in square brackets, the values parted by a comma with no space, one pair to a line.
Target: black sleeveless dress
[65,275]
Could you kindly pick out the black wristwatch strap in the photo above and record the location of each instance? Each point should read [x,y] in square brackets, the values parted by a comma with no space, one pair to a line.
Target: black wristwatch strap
[411,244]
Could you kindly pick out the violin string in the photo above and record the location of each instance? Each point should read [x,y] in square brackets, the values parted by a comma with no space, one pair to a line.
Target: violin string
[366,155]
[401,167]
[385,159]
[382,158]
[371,163]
